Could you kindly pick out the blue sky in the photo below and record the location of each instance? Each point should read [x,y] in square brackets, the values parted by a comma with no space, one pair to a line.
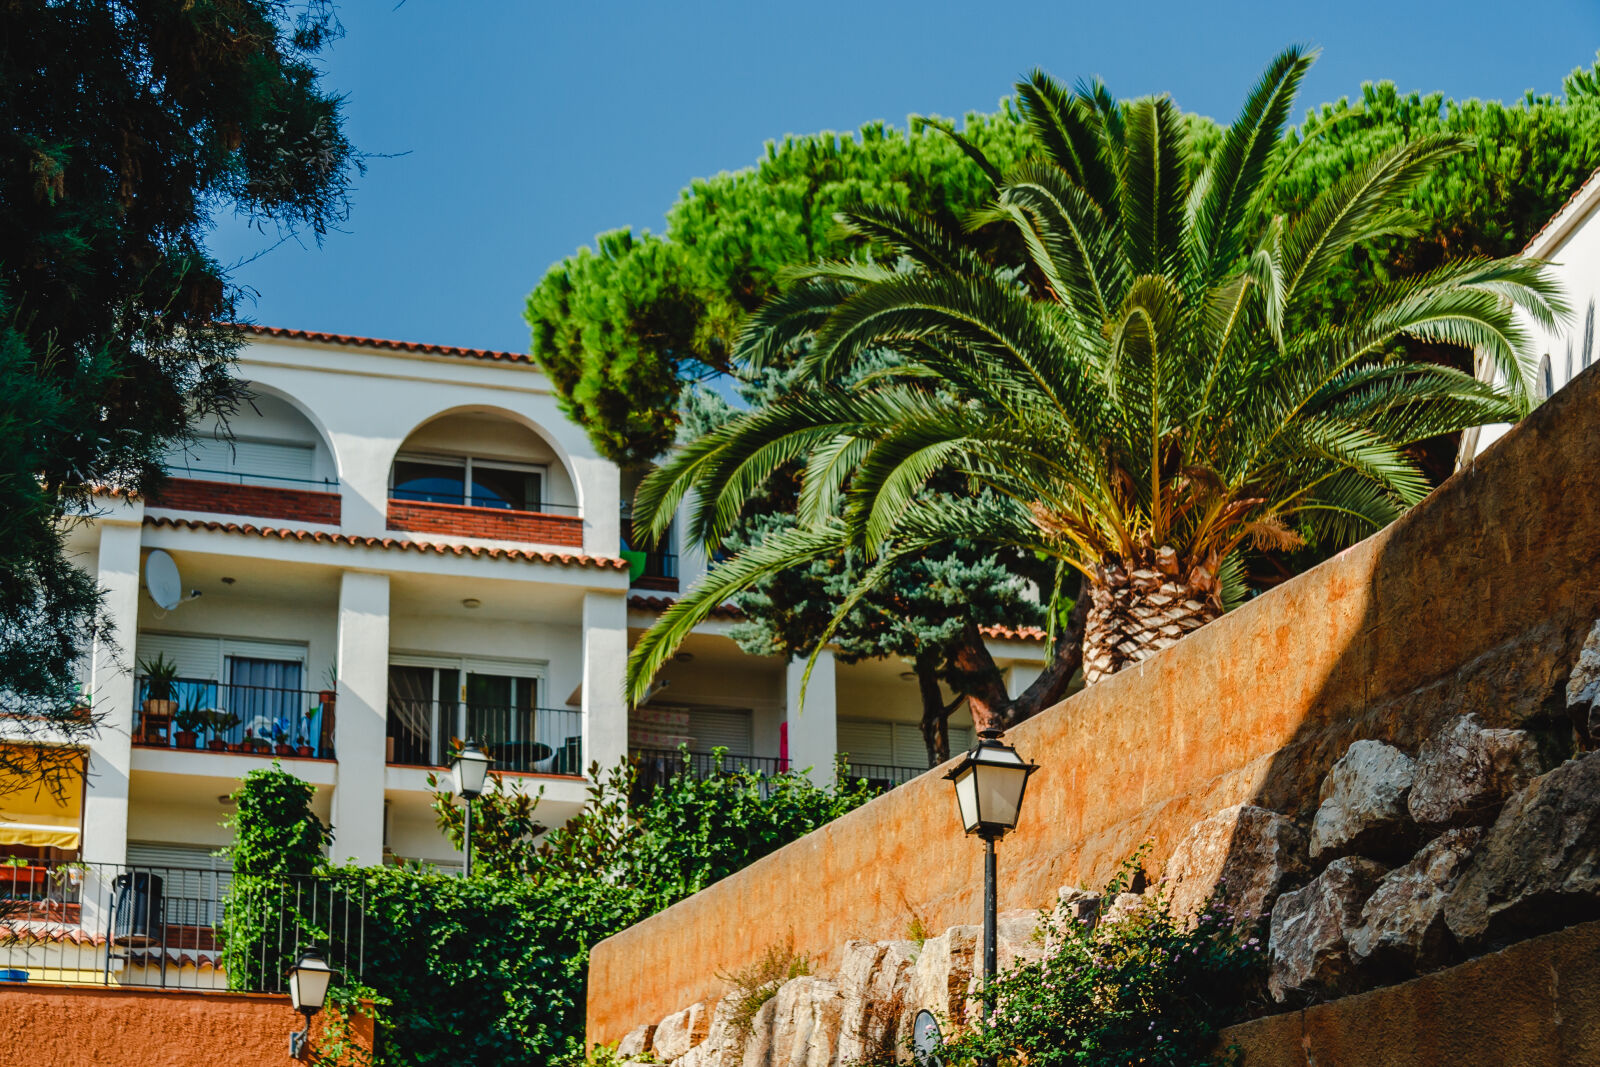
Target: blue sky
[509,134]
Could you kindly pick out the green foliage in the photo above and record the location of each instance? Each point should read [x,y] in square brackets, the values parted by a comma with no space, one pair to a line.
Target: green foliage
[1161,389]
[127,127]
[758,983]
[275,832]
[1150,989]
[622,328]
[503,824]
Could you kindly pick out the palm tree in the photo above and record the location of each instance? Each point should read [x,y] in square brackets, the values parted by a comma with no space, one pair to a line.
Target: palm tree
[1149,394]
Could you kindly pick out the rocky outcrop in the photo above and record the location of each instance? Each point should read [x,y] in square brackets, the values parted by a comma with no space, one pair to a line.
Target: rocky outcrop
[1465,772]
[1402,929]
[1241,858]
[876,984]
[1362,805]
[1306,952]
[637,1041]
[944,971]
[1121,908]
[1077,905]
[797,1027]
[680,1031]
[1583,687]
[1538,868]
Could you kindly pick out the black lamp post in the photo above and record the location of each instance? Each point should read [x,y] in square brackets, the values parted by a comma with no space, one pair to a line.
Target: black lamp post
[990,781]
[470,768]
[308,991]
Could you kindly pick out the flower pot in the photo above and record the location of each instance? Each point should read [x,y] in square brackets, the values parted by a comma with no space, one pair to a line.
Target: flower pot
[303,751]
[283,750]
[237,746]
[217,744]
[327,698]
[187,739]
[160,709]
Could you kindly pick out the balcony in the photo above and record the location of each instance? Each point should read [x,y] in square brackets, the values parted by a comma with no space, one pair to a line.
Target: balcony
[265,496]
[190,713]
[654,767]
[652,566]
[550,524]
[160,927]
[519,740]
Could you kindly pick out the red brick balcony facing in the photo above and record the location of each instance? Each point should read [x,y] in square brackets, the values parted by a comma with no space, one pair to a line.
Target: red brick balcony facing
[259,501]
[497,524]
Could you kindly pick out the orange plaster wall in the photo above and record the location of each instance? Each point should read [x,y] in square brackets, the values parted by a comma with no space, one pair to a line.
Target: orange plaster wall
[152,1028]
[1476,601]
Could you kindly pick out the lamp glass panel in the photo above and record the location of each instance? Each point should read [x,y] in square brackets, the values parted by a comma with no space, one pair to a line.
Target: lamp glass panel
[967,798]
[999,792]
[470,769]
[308,985]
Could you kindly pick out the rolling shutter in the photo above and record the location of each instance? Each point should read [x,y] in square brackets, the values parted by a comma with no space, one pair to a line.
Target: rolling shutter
[209,458]
[199,658]
[867,742]
[193,881]
[727,728]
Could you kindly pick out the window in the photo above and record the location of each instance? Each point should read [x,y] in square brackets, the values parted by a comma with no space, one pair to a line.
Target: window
[893,744]
[246,461]
[481,483]
[495,704]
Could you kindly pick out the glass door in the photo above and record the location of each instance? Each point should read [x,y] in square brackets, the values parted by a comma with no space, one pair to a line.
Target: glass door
[501,715]
[424,713]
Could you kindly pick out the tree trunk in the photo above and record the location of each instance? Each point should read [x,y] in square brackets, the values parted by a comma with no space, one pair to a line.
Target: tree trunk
[1138,611]
[935,713]
[973,670]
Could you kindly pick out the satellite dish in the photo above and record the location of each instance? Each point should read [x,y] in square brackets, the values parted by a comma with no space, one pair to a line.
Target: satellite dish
[926,1039]
[162,580]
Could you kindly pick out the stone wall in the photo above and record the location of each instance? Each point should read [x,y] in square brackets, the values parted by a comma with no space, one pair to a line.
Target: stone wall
[1475,602]
[153,1028]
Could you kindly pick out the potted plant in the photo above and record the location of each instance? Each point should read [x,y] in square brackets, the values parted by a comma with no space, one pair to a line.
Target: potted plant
[219,722]
[327,698]
[302,741]
[159,707]
[190,721]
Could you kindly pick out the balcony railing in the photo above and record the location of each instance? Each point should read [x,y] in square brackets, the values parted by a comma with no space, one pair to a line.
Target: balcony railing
[237,477]
[654,767]
[223,717]
[481,500]
[112,924]
[521,740]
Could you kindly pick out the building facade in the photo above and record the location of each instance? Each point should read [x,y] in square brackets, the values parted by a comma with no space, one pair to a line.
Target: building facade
[393,546]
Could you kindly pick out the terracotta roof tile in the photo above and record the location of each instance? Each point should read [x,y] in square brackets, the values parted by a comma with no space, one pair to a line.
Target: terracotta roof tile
[570,559]
[1573,199]
[392,346]
[1013,633]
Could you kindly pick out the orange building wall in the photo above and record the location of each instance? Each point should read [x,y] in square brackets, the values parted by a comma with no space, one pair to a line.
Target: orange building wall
[1476,601]
[151,1028]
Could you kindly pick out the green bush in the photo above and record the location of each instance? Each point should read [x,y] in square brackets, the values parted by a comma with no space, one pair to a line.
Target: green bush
[1150,989]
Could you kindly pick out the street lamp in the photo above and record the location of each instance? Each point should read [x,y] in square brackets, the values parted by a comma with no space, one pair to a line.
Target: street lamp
[308,991]
[470,768]
[990,781]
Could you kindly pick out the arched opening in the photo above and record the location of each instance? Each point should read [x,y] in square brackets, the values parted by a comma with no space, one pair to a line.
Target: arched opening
[484,473]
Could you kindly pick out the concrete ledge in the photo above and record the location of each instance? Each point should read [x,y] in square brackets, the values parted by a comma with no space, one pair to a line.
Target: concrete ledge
[1534,1004]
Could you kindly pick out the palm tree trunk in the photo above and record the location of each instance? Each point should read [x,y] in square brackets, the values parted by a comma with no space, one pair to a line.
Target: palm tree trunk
[1137,612]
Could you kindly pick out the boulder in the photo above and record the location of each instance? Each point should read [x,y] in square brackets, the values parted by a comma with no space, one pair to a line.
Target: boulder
[1122,907]
[1240,858]
[1402,930]
[1583,687]
[944,971]
[1306,952]
[1018,940]
[1538,868]
[723,1046]
[797,1027]
[1362,808]
[636,1042]
[876,984]
[680,1032]
[1465,772]
[1077,905]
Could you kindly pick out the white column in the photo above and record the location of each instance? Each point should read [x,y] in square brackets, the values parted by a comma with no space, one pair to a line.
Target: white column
[813,728]
[600,489]
[105,798]
[364,486]
[359,717]
[605,661]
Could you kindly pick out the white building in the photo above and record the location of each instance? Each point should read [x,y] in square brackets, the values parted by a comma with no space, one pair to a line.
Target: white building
[418,531]
[1570,241]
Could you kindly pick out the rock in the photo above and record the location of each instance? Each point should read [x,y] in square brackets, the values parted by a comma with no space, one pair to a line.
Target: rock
[637,1041]
[1583,687]
[680,1031]
[1538,868]
[944,971]
[1078,905]
[1363,805]
[1465,772]
[1240,858]
[1017,940]
[1306,951]
[1123,906]
[1402,928]
[723,1047]
[877,989]
[797,1027]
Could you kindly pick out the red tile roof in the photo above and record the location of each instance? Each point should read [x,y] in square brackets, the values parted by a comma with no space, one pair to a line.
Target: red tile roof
[1573,199]
[393,346]
[659,604]
[571,559]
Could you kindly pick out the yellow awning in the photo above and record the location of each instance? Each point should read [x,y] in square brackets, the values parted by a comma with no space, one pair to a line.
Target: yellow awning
[31,814]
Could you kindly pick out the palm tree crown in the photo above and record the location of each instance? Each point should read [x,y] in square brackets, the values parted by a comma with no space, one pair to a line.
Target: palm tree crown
[1145,395]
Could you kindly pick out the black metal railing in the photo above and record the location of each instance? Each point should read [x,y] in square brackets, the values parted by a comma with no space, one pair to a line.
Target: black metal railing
[320,485]
[659,560]
[879,775]
[482,500]
[655,766]
[169,927]
[525,740]
[225,717]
